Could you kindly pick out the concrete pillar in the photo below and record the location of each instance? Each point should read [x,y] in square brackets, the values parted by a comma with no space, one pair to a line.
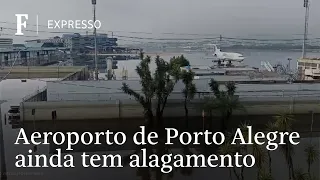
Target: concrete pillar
[6,59]
[38,58]
[109,68]
[1,58]
[24,58]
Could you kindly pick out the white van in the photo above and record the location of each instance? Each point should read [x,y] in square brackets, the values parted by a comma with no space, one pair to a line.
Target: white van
[14,113]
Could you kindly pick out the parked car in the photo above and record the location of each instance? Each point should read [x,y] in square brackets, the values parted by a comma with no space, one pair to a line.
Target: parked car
[14,113]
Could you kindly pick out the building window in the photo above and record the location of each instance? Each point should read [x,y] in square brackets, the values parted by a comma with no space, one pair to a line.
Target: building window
[314,65]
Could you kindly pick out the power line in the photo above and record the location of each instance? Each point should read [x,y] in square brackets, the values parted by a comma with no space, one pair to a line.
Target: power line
[130,37]
[130,32]
[29,30]
[166,39]
[216,36]
[170,39]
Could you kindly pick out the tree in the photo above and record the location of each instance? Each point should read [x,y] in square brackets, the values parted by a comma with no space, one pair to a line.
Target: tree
[270,127]
[175,64]
[312,155]
[300,175]
[263,175]
[228,148]
[284,123]
[254,149]
[179,61]
[148,90]
[188,91]
[260,156]
[224,101]
[311,151]
[156,88]
[187,77]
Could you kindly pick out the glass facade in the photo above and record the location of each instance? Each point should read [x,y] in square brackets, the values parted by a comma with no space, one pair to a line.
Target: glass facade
[79,43]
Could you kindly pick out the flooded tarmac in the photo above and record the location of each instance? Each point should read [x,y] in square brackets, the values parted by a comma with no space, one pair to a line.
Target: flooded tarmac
[14,90]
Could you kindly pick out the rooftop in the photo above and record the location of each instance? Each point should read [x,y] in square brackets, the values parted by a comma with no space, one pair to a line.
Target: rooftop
[9,39]
[22,72]
[28,49]
[18,45]
[82,35]
[309,60]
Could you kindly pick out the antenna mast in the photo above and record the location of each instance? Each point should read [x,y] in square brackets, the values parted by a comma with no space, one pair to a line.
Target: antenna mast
[306,5]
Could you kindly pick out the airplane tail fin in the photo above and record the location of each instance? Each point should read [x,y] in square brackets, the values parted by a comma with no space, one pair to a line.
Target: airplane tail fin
[216,50]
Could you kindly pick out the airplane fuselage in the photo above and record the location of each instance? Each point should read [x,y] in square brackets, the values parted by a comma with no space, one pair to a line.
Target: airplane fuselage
[229,56]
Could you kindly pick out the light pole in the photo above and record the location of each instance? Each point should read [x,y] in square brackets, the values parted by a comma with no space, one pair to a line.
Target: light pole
[94,2]
[289,65]
[306,5]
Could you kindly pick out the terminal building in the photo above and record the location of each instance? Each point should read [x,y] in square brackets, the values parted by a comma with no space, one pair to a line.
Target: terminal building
[32,54]
[79,43]
[82,50]
[309,68]
[6,43]
[54,42]
[77,48]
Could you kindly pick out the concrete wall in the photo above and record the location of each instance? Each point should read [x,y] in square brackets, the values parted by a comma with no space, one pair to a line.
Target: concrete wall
[84,110]
[23,72]
[111,90]
[69,110]
[80,75]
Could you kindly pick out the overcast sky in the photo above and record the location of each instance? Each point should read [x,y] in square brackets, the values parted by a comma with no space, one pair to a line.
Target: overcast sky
[227,17]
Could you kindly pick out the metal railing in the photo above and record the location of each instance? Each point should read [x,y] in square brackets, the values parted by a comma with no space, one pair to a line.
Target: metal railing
[28,97]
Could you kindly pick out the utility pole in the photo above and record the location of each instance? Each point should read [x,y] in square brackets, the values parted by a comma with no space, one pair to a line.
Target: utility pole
[306,19]
[94,2]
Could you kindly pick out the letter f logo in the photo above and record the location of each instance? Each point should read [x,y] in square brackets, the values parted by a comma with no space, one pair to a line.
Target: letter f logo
[20,24]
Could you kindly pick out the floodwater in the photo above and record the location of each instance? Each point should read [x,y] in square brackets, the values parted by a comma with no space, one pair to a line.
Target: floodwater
[14,90]
[253,58]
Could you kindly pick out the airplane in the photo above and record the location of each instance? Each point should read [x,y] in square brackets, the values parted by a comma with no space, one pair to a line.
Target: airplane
[226,56]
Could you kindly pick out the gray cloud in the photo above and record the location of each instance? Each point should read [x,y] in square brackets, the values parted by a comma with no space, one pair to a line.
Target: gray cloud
[227,17]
